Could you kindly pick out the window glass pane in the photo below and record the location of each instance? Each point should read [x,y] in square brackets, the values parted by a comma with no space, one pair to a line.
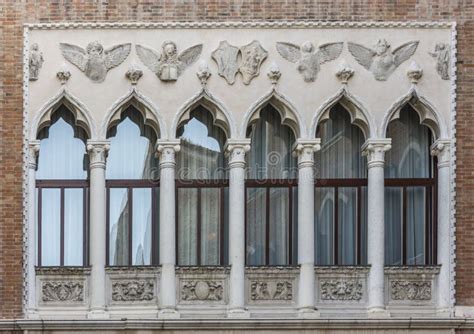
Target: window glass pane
[324,216]
[294,204]
[131,154]
[393,225]
[210,226]
[256,208]
[347,231]
[270,153]
[62,150]
[73,227]
[363,226]
[340,155]
[202,148]
[279,226]
[141,226]
[50,227]
[409,156]
[415,225]
[187,226]
[118,227]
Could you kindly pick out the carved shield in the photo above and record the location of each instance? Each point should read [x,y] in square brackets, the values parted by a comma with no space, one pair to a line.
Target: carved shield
[226,58]
[253,55]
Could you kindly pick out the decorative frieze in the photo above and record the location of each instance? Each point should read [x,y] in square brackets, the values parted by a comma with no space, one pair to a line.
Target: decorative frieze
[410,290]
[271,285]
[271,290]
[168,65]
[201,285]
[381,60]
[341,289]
[133,290]
[308,58]
[94,61]
[62,291]
[202,290]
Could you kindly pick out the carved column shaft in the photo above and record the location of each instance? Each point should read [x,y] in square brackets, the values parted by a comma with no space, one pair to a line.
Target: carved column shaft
[167,151]
[375,150]
[441,149]
[33,149]
[97,155]
[236,151]
[304,149]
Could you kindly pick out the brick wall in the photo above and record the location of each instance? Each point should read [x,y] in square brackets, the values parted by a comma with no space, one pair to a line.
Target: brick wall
[14,13]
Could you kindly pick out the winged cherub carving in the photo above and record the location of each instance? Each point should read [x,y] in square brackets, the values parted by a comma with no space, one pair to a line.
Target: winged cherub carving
[382,61]
[308,59]
[94,61]
[168,65]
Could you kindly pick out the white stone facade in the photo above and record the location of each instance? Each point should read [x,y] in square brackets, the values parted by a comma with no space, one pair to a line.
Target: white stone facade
[234,94]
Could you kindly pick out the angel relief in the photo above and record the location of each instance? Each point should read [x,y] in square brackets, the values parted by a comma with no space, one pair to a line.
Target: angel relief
[381,61]
[168,65]
[308,59]
[94,61]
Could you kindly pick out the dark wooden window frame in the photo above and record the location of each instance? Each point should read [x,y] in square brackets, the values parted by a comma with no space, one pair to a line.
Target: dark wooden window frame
[62,185]
[130,185]
[267,184]
[220,184]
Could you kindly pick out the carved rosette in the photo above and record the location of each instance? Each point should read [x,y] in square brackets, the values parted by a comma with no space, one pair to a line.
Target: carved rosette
[405,290]
[133,290]
[341,289]
[202,290]
[62,291]
[266,290]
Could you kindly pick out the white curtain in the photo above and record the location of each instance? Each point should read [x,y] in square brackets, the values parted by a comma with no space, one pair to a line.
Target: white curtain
[200,160]
[339,158]
[408,158]
[270,159]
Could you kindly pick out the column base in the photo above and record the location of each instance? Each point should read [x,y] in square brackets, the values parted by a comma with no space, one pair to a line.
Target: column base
[168,313]
[377,312]
[308,313]
[238,313]
[98,314]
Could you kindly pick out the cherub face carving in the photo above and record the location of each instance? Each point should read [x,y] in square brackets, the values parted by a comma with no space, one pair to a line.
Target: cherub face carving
[95,49]
[169,50]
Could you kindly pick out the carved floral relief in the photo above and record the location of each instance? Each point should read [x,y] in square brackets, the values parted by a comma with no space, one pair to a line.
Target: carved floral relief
[133,290]
[381,60]
[94,61]
[411,290]
[168,65]
[202,290]
[341,289]
[62,291]
[271,290]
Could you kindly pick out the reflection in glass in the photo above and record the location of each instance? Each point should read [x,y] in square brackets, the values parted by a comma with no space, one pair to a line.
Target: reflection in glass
[210,226]
[73,226]
[118,226]
[256,209]
[279,226]
[141,236]
[324,212]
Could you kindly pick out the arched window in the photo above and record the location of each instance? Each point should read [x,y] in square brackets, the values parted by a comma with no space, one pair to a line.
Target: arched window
[132,192]
[271,192]
[62,192]
[341,192]
[202,191]
[410,180]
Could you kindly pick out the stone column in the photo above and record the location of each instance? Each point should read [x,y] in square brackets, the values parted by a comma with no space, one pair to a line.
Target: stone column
[304,150]
[236,149]
[167,151]
[441,149]
[97,156]
[375,150]
[33,149]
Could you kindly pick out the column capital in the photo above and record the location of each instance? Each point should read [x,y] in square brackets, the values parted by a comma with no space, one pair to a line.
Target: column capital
[235,150]
[441,149]
[166,151]
[33,150]
[304,149]
[97,150]
[374,149]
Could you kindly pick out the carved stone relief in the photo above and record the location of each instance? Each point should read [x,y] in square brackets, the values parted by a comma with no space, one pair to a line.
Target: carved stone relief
[442,55]
[381,60]
[414,72]
[62,291]
[63,76]
[341,289]
[271,290]
[227,58]
[35,62]
[410,290]
[344,73]
[202,290]
[307,58]
[274,73]
[133,75]
[94,61]
[168,65]
[133,290]
[203,73]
